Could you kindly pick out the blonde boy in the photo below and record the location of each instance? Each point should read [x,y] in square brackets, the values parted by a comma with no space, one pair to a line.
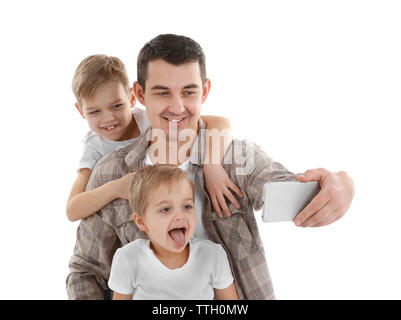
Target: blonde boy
[170,264]
[106,101]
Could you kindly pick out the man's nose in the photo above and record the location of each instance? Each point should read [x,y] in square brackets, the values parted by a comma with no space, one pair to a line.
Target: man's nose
[176,105]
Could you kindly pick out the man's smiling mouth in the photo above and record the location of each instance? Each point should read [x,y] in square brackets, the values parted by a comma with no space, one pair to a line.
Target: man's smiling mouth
[174,120]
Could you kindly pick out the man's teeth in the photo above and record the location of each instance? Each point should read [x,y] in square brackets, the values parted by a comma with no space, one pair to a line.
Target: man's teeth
[174,120]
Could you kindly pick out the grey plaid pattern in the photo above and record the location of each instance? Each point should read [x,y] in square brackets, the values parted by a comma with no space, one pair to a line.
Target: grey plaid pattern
[99,235]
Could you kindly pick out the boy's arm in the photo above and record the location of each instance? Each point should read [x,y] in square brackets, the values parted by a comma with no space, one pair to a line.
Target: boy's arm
[119,296]
[229,293]
[217,181]
[82,204]
[218,127]
[96,243]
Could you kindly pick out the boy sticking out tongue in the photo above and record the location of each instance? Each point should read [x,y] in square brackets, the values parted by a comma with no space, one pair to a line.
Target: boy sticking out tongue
[170,264]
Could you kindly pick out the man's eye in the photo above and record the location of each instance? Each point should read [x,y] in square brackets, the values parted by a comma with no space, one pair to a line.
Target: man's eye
[165,210]
[189,93]
[162,93]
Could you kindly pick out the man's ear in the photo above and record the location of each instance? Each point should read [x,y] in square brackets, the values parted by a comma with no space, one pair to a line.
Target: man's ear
[139,221]
[133,98]
[79,109]
[206,90]
[139,92]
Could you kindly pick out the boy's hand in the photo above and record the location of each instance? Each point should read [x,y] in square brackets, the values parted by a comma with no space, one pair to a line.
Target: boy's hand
[122,185]
[218,184]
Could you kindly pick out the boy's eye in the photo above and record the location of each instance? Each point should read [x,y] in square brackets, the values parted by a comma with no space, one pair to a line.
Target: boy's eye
[117,106]
[94,112]
[188,206]
[166,209]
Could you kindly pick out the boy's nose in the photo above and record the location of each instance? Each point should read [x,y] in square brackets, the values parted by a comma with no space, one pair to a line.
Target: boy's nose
[108,116]
[179,214]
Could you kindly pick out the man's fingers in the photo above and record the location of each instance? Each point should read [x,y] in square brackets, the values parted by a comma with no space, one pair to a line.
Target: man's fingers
[314,206]
[313,175]
[323,217]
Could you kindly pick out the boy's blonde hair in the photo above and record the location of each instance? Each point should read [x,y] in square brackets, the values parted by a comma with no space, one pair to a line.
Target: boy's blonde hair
[95,71]
[148,178]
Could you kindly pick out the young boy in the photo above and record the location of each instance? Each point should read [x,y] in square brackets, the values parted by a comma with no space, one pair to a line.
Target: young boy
[106,101]
[168,265]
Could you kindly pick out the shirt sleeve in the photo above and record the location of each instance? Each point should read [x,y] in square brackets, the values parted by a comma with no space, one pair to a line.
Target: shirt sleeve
[120,280]
[222,276]
[89,158]
[256,168]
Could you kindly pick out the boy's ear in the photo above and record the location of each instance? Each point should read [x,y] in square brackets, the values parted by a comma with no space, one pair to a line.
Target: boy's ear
[139,221]
[139,93]
[79,109]
[206,90]
[133,98]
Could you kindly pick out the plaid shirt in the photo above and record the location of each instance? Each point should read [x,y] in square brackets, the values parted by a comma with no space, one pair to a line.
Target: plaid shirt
[99,235]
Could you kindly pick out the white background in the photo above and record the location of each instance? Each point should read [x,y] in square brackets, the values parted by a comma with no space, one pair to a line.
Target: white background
[316,83]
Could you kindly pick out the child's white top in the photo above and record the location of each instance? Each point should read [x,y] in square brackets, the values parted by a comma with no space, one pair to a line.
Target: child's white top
[136,270]
[95,147]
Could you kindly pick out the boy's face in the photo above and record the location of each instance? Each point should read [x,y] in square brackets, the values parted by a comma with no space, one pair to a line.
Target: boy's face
[108,112]
[173,96]
[170,218]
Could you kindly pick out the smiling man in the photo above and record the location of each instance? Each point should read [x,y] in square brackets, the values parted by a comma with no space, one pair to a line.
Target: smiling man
[172,84]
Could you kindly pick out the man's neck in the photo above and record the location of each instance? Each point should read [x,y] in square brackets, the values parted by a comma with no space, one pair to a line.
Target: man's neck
[175,151]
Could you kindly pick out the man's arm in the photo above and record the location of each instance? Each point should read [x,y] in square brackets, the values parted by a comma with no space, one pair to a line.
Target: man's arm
[93,253]
[328,206]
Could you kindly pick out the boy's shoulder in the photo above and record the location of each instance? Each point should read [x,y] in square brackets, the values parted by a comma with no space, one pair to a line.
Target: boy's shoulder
[135,250]
[206,247]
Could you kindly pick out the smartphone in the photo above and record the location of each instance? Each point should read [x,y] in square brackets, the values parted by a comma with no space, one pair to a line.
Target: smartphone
[283,200]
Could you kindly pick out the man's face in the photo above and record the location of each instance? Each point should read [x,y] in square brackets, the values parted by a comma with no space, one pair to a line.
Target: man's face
[173,96]
[108,112]
[170,218]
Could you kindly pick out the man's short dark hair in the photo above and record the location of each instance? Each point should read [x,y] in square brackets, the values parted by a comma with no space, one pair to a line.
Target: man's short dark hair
[173,49]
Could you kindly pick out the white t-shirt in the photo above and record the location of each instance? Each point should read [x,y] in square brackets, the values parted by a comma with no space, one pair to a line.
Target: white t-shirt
[136,270]
[95,147]
[200,230]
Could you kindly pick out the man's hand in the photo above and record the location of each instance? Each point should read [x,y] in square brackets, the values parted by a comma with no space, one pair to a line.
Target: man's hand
[331,203]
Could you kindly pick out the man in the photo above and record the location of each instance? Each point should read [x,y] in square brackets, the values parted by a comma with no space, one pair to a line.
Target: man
[172,84]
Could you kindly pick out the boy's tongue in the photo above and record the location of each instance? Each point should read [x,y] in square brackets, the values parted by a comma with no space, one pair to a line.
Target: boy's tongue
[178,236]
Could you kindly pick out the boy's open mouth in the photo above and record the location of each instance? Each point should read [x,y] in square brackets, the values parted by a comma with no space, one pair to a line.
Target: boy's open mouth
[177,234]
